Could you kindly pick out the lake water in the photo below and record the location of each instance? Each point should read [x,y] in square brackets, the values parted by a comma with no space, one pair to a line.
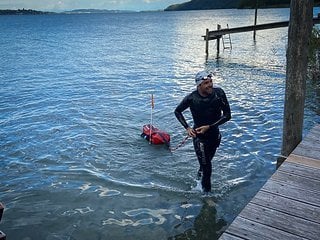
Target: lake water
[75,93]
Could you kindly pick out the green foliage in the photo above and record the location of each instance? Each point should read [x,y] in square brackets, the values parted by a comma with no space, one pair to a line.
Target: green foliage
[21,12]
[204,4]
[219,4]
[314,45]
[263,3]
[314,55]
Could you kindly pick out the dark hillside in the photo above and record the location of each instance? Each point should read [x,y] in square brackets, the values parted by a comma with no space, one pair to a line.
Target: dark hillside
[204,4]
[219,4]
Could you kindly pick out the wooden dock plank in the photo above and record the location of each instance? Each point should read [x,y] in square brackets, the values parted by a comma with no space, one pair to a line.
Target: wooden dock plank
[312,136]
[307,152]
[294,207]
[300,170]
[315,129]
[248,229]
[298,181]
[310,146]
[288,205]
[281,221]
[227,236]
[304,161]
[311,139]
[292,192]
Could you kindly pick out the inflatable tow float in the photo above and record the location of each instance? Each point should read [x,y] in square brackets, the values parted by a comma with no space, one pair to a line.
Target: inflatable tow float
[155,135]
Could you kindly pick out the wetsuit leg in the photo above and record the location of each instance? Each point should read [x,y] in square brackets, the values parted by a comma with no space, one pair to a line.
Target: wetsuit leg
[205,153]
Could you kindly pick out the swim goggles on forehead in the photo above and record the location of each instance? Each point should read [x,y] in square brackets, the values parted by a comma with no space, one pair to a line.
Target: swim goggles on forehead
[208,76]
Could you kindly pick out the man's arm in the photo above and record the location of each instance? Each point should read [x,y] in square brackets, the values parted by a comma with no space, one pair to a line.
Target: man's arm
[183,105]
[181,118]
[226,111]
[178,112]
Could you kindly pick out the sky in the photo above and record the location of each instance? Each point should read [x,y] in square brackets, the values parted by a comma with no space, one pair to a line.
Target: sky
[62,5]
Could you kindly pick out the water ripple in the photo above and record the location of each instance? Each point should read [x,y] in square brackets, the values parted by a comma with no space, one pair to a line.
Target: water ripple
[156,217]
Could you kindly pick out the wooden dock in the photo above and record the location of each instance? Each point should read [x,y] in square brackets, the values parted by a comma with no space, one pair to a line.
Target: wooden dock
[288,205]
[220,32]
[215,34]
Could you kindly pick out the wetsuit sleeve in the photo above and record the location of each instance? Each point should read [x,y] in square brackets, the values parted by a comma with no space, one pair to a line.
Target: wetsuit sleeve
[178,112]
[226,111]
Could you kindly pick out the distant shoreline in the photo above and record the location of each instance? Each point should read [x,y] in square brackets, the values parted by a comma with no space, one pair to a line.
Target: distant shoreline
[23,12]
[76,11]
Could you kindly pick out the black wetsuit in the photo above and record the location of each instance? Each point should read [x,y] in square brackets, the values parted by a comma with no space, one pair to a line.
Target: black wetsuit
[212,110]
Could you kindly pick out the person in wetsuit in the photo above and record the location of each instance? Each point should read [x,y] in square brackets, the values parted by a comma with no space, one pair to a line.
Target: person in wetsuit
[209,108]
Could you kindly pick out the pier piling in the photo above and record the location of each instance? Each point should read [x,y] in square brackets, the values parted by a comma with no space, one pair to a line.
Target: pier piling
[2,235]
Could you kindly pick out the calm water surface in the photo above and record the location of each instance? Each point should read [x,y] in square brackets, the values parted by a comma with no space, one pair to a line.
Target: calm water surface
[75,93]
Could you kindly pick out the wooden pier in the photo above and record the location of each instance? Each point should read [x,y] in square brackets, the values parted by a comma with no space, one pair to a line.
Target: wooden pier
[288,205]
[217,34]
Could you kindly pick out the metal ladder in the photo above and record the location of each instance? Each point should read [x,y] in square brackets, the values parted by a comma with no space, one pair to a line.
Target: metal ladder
[226,40]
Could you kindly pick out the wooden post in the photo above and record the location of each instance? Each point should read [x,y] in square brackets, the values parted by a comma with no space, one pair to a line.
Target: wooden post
[300,26]
[207,41]
[1,210]
[255,20]
[218,40]
[2,235]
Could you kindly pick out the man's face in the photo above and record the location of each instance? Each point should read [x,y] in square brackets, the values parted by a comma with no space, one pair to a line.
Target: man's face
[206,87]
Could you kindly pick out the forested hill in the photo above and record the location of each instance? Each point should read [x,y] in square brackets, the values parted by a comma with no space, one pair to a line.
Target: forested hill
[225,4]
[22,12]
[204,4]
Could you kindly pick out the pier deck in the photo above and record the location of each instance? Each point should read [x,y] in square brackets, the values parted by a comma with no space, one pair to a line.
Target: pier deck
[288,205]
[219,33]
[215,34]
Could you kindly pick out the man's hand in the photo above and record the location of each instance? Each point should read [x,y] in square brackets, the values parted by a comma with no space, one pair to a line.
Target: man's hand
[191,132]
[202,129]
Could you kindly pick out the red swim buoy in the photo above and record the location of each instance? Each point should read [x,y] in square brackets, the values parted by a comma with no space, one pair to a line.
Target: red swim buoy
[155,135]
